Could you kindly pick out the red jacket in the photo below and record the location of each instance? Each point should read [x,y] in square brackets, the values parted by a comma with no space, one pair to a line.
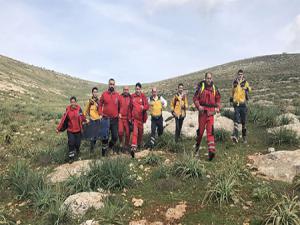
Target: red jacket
[137,111]
[125,106]
[109,104]
[207,96]
[74,118]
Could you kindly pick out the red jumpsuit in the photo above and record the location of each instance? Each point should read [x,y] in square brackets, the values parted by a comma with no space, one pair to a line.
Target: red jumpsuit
[206,99]
[124,118]
[139,107]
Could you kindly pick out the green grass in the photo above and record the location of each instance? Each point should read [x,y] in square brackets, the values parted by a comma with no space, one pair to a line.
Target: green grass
[151,159]
[283,136]
[222,135]
[263,116]
[263,193]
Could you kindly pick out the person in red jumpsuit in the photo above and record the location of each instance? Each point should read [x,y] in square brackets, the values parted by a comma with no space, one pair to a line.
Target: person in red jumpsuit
[139,109]
[124,117]
[207,100]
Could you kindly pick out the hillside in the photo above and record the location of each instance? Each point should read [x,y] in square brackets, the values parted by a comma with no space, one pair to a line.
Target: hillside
[168,185]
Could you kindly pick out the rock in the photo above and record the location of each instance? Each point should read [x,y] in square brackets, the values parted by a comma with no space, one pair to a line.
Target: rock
[167,162]
[191,123]
[177,212]
[90,222]
[64,171]
[271,149]
[80,203]
[139,222]
[293,119]
[137,202]
[280,165]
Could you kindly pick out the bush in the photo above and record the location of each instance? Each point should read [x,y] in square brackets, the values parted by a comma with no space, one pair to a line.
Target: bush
[167,142]
[263,193]
[223,190]
[161,172]
[112,174]
[50,155]
[227,113]
[283,136]
[113,211]
[285,212]
[77,184]
[43,197]
[284,120]
[264,116]
[24,180]
[151,159]
[221,135]
[188,167]
[296,183]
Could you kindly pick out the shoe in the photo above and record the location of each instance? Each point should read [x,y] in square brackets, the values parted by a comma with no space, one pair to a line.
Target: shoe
[245,140]
[211,156]
[197,150]
[234,139]
[132,152]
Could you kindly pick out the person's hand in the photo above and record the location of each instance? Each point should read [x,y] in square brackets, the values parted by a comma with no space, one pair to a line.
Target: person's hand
[120,116]
[142,107]
[217,110]
[57,131]
[200,108]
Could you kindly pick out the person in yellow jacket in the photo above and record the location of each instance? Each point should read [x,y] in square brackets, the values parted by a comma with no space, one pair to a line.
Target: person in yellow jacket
[156,103]
[179,105]
[239,97]
[91,111]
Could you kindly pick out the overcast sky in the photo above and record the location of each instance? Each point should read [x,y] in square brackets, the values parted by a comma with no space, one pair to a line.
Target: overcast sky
[144,40]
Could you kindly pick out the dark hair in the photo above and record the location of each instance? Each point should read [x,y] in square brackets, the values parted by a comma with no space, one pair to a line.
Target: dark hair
[138,84]
[73,97]
[111,79]
[208,73]
[240,71]
[180,84]
[94,88]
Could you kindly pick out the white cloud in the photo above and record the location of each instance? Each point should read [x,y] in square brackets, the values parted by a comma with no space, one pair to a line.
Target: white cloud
[290,35]
[202,5]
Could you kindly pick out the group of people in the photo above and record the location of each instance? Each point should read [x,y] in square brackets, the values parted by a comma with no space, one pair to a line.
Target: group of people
[115,116]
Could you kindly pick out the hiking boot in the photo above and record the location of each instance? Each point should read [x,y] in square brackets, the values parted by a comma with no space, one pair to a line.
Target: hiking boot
[234,139]
[211,155]
[245,140]
[132,152]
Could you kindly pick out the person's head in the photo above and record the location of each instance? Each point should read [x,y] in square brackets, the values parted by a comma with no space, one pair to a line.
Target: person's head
[73,102]
[180,88]
[208,78]
[111,84]
[138,88]
[126,90]
[154,91]
[95,92]
[240,74]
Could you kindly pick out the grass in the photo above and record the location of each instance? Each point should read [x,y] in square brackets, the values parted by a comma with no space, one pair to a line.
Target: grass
[151,159]
[188,167]
[263,193]
[222,191]
[221,135]
[5,218]
[283,136]
[263,116]
[286,212]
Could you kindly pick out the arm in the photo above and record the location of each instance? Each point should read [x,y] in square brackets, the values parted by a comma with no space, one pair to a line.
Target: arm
[146,104]
[172,103]
[186,104]
[101,102]
[86,109]
[196,101]
[218,101]
[164,102]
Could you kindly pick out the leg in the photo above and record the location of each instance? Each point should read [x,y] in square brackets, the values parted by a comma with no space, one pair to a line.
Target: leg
[140,134]
[153,131]
[121,131]
[114,132]
[160,126]
[77,142]
[235,134]
[210,138]
[71,145]
[127,132]
[243,122]
[177,129]
[180,124]
[202,124]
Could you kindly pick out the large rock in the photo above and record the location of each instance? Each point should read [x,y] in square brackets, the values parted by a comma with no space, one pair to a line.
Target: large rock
[80,203]
[64,171]
[280,165]
[190,123]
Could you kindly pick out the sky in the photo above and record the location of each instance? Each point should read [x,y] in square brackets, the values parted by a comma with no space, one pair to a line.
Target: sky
[144,40]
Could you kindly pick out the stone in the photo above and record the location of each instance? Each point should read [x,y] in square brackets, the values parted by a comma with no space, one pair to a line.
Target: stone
[137,202]
[177,212]
[90,222]
[80,203]
[271,149]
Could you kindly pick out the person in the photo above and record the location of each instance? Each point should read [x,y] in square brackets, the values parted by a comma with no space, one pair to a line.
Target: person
[91,110]
[179,105]
[138,110]
[207,100]
[72,121]
[239,97]
[109,110]
[156,103]
[124,117]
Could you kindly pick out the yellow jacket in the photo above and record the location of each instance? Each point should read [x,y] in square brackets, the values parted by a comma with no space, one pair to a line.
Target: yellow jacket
[156,105]
[91,109]
[240,91]
[179,105]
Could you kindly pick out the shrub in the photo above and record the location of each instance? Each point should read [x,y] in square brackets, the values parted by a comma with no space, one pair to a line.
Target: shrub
[263,193]
[151,159]
[221,135]
[162,171]
[51,155]
[43,197]
[167,142]
[77,184]
[283,136]
[285,212]
[284,120]
[227,113]
[112,174]
[264,116]
[223,190]
[296,183]
[188,167]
